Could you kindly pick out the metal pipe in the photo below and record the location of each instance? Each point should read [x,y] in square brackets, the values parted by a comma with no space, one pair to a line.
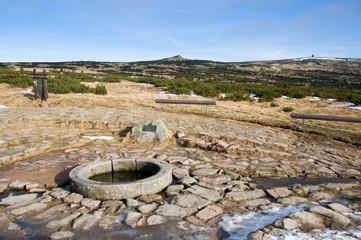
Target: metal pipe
[177,101]
[326,117]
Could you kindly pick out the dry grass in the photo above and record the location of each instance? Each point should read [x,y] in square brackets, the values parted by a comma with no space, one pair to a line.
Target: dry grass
[136,95]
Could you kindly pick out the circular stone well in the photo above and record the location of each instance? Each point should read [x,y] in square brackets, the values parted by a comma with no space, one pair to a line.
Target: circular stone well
[159,172]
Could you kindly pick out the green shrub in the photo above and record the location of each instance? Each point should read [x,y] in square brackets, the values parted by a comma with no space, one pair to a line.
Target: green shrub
[274,105]
[288,109]
[100,89]
[14,78]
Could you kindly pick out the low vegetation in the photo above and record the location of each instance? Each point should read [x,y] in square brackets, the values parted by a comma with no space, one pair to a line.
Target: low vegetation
[236,81]
[59,82]
[288,109]
[266,92]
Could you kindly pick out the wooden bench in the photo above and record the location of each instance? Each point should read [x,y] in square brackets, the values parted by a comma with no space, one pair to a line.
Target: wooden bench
[325,118]
[206,103]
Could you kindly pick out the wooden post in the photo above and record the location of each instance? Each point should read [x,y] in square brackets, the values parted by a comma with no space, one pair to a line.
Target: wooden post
[35,88]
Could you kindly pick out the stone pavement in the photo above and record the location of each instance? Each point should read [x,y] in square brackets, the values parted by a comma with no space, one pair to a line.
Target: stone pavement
[213,160]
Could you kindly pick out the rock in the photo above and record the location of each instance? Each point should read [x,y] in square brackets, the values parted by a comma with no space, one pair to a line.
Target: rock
[280,192]
[37,190]
[307,221]
[108,221]
[233,175]
[195,221]
[147,208]
[352,193]
[14,227]
[257,202]
[187,181]
[73,198]
[17,199]
[337,217]
[62,235]
[276,232]
[209,212]
[113,207]
[267,160]
[180,134]
[180,173]
[219,145]
[172,210]
[132,203]
[238,186]
[270,206]
[206,193]
[150,131]
[289,224]
[63,222]
[325,171]
[218,187]
[257,235]
[18,185]
[155,219]
[340,186]
[204,172]
[345,172]
[293,200]
[174,189]
[90,203]
[162,157]
[322,196]
[190,201]
[133,218]
[50,212]
[60,193]
[151,198]
[216,179]
[203,144]
[31,186]
[86,221]
[187,142]
[338,207]
[246,195]
[3,187]
[29,208]
[4,221]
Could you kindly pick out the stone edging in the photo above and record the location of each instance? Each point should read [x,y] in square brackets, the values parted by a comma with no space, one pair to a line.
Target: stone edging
[80,183]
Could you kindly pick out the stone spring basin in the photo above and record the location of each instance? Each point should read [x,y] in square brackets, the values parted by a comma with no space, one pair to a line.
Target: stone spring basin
[160,174]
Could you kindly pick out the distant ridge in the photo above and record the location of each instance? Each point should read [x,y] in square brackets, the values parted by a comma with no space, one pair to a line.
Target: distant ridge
[174,58]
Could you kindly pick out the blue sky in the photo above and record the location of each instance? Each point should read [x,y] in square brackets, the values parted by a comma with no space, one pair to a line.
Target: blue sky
[221,30]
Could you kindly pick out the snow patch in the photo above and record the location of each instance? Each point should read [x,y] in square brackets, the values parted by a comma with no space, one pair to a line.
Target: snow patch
[346,105]
[163,93]
[314,99]
[106,138]
[3,107]
[27,91]
[240,226]
[319,234]
[356,107]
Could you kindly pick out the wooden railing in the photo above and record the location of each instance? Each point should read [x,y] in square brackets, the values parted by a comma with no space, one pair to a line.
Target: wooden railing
[325,118]
[195,102]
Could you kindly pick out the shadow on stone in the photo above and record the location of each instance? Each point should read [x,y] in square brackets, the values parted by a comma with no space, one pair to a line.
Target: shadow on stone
[62,179]
[125,132]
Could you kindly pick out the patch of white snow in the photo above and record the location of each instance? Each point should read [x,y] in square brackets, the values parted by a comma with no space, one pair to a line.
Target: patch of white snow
[106,138]
[240,226]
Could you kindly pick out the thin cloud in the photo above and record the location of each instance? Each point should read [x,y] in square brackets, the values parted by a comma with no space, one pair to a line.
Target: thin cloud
[173,40]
